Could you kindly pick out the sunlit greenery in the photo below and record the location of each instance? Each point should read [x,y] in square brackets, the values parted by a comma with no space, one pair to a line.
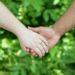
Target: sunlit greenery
[59,61]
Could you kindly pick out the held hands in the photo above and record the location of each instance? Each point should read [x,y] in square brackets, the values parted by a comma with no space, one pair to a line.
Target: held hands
[33,42]
[50,35]
[36,44]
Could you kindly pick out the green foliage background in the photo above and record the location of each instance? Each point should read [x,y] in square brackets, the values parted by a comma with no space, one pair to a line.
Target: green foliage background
[59,61]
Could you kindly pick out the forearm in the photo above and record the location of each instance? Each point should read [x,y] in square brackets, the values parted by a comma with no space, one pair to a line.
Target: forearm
[66,22]
[8,21]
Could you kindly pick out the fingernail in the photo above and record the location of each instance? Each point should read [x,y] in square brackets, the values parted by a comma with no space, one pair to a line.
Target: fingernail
[27,50]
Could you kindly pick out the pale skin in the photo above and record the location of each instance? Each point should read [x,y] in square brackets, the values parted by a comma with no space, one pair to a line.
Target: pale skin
[29,40]
[63,25]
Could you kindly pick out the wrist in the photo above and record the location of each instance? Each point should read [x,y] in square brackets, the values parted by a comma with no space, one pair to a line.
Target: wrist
[20,29]
[58,30]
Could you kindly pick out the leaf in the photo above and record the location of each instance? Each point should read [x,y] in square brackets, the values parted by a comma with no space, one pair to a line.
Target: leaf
[23,72]
[56,2]
[4,73]
[46,16]
[27,2]
[54,15]
[14,73]
[37,5]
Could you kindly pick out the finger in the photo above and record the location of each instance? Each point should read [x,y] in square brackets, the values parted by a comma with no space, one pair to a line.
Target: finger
[44,40]
[38,52]
[41,49]
[44,44]
[27,49]
[44,47]
[32,51]
[34,46]
[34,54]
[34,29]
[39,46]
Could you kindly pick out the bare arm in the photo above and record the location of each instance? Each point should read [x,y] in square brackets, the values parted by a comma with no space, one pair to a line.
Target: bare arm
[66,22]
[8,20]
[27,38]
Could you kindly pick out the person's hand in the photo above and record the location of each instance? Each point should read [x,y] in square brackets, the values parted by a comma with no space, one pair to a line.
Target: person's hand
[51,36]
[33,42]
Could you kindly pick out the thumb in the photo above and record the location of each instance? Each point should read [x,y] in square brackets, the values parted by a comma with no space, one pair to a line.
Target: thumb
[34,29]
